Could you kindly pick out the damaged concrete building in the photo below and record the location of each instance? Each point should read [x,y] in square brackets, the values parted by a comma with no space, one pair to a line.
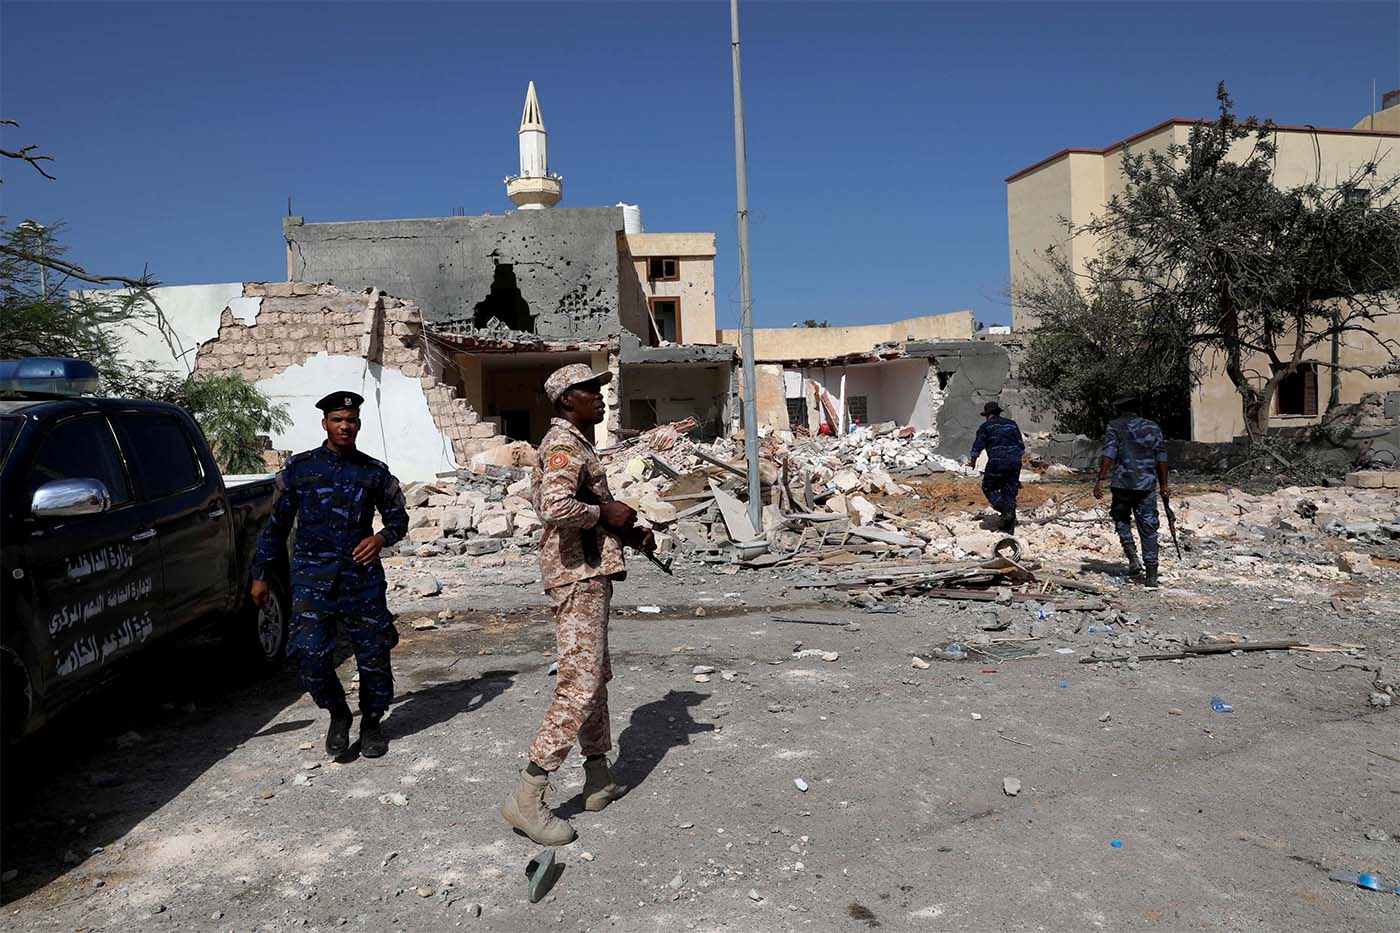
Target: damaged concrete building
[449,326]
[931,373]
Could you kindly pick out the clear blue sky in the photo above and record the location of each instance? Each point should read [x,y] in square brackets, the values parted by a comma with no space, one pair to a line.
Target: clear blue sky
[879,136]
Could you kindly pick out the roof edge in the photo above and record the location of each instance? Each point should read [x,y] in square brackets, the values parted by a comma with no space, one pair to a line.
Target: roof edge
[1182,121]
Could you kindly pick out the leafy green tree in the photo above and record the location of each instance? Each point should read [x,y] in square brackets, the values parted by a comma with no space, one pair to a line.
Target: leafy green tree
[1091,346]
[1202,248]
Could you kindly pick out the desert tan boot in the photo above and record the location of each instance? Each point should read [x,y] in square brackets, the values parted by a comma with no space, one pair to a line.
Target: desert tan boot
[599,788]
[525,809]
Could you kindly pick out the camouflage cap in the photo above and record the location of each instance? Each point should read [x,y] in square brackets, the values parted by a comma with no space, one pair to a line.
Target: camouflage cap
[566,377]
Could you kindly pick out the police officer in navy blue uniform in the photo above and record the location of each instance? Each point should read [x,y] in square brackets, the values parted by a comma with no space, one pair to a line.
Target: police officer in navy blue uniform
[1136,453]
[1001,480]
[332,493]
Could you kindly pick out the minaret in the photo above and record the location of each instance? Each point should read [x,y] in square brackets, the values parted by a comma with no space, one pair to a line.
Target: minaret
[534,187]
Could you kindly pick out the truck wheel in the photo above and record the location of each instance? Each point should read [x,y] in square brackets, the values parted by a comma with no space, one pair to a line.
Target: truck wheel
[261,634]
[16,695]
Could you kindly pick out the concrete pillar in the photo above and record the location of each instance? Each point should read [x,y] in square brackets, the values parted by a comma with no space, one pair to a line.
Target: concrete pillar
[599,360]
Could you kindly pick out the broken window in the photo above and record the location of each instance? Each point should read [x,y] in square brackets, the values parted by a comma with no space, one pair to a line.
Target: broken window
[663,269]
[856,405]
[797,412]
[666,312]
[504,303]
[1297,393]
[641,413]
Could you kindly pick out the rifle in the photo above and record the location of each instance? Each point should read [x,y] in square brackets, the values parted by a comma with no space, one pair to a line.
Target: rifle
[1171,523]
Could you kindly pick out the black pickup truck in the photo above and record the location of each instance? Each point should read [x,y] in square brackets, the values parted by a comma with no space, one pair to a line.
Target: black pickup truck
[117,532]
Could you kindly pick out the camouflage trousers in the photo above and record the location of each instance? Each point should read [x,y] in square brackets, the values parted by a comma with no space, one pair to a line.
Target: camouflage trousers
[1140,506]
[313,637]
[579,710]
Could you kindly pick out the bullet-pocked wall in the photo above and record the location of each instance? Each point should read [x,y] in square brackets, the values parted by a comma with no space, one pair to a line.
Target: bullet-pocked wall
[553,272]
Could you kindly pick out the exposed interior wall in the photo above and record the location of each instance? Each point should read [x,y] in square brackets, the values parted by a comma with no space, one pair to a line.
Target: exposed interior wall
[192,314]
[973,373]
[656,394]
[396,423]
[694,288]
[782,344]
[307,333]
[562,264]
[903,391]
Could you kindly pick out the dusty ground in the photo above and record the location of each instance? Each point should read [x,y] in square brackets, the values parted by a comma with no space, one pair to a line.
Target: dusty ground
[1227,820]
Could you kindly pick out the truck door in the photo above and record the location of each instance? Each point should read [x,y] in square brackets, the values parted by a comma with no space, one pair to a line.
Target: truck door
[95,579]
[185,496]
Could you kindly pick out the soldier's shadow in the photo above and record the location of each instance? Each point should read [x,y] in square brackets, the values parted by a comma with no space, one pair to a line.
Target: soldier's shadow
[653,730]
[429,706]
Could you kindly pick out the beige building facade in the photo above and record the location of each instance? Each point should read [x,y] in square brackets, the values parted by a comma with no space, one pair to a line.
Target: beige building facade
[1075,185]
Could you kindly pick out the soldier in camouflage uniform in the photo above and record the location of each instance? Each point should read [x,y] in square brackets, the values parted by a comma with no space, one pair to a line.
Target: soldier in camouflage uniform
[1136,453]
[1001,480]
[580,557]
[331,493]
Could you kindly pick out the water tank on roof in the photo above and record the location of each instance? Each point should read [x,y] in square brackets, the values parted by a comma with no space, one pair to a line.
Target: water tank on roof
[631,217]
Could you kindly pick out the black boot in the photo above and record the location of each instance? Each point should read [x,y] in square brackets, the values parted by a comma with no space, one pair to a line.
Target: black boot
[338,735]
[1151,582]
[372,741]
[1008,521]
[1134,565]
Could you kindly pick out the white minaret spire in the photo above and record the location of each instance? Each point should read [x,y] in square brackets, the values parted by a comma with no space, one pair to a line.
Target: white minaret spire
[534,188]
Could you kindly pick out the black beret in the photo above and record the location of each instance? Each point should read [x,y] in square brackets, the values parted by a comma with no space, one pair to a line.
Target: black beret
[338,400]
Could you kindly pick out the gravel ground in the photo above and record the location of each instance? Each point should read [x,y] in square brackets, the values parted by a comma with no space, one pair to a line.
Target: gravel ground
[1139,806]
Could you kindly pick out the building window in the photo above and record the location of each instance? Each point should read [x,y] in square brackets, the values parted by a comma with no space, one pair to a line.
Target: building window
[666,312]
[797,412]
[1297,393]
[856,405]
[663,269]
[1354,196]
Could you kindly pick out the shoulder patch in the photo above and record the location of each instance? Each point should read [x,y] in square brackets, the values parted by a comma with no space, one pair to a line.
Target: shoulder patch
[558,457]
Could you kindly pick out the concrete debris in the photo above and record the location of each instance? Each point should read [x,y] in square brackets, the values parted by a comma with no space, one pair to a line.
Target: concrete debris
[1010,786]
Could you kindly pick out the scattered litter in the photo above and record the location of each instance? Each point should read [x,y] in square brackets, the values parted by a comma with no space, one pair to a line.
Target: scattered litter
[422,625]
[553,668]
[1220,706]
[1105,717]
[918,663]
[755,896]
[976,715]
[1064,651]
[398,800]
[702,669]
[649,610]
[1117,843]
[1010,786]
[1369,882]
[586,856]
[801,784]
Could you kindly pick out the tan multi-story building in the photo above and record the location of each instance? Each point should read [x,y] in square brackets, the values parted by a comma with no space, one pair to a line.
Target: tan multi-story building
[1074,185]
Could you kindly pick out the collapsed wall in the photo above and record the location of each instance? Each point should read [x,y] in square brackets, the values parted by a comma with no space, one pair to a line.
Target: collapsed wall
[304,340]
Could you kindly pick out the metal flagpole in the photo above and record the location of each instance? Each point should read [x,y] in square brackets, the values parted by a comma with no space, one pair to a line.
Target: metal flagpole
[741,177]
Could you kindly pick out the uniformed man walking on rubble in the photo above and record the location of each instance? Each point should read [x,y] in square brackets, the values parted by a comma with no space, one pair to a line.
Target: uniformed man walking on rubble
[337,580]
[580,557]
[1001,480]
[1136,453]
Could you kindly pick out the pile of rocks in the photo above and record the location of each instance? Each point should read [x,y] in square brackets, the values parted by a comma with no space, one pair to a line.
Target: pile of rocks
[470,514]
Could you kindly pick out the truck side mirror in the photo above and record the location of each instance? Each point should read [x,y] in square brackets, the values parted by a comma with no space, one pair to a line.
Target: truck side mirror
[67,497]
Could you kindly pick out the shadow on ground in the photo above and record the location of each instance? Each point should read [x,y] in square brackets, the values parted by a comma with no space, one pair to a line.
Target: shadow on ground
[653,730]
[106,763]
